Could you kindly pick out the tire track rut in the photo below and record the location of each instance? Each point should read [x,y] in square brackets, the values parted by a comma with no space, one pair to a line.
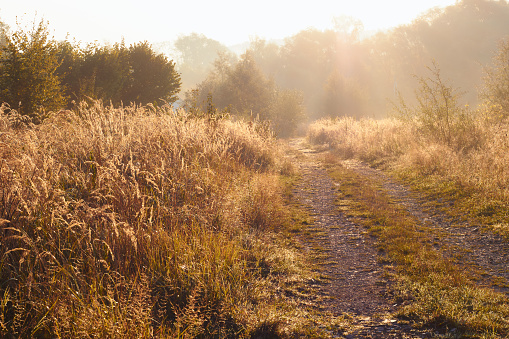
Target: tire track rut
[357,285]
[481,250]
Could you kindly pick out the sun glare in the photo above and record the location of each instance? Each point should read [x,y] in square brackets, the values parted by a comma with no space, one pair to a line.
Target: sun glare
[264,169]
[229,22]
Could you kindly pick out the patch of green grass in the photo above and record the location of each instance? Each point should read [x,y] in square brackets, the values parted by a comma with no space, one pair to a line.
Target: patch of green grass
[460,202]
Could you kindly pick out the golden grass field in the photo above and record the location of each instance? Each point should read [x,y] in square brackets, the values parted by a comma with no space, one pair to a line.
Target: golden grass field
[141,222]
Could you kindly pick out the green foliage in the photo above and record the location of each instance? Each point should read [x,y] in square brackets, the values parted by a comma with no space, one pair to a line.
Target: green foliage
[104,72]
[119,74]
[28,78]
[71,59]
[245,91]
[249,90]
[339,70]
[38,74]
[151,76]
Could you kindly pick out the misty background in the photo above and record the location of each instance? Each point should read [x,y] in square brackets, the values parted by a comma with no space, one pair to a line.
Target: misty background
[344,69]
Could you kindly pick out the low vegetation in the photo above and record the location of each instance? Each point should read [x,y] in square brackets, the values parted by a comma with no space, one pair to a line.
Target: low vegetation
[438,145]
[142,222]
[456,157]
[474,176]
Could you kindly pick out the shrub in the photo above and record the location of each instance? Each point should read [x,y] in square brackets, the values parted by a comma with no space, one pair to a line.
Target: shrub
[438,115]
[496,84]
[28,78]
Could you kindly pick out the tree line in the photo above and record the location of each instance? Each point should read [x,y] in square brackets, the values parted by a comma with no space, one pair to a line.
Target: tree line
[343,71]
[315,73]
[39,74]
[239,87]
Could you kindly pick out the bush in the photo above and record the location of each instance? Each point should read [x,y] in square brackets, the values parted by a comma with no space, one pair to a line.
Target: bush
[28,78]
[496,84]
[438,116]
[38,75]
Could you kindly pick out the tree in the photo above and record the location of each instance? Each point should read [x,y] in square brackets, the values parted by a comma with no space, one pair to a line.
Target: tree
[343,97]
[39,74]
[249,88]
[244,91]
[151,76]
[307,59]
[240,87]
[117,73]
[266,54]
[287,111]
[195,57]
[310,58]
[71,60]
[461,38]
[28,79]
[3,33]
[438,115]
[348,28]
[103,73]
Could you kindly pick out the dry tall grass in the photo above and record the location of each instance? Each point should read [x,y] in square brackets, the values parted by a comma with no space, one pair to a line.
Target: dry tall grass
[136,222]
[367,139]
[477,168]
[470,173]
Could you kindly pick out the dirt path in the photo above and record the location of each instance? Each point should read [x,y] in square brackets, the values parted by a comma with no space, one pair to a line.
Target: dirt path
[357,286]
[480,250]
[354,260]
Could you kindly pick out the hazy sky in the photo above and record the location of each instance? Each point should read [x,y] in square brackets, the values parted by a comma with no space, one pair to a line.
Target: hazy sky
[228,21]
